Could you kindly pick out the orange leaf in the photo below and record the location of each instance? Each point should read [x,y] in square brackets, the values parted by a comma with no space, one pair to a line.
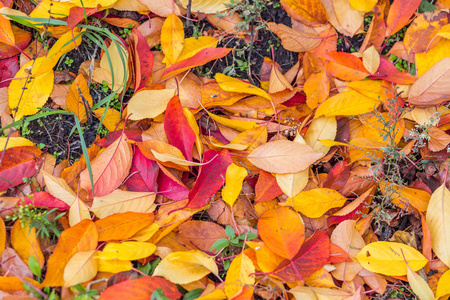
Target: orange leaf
[122,226]
[282,231]
[141,288]
[345,66]
[79,99]
[309,12]
[109,169]
[81,237]
[6,33]
[399,14]
[26,243]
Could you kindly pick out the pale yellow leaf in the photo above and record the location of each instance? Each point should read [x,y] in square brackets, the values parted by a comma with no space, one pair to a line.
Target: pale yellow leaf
[321,129]
[316,202]
[235,176]
[293,183]
[80,268]
[239,274]
[126,251]
[149,103]
[436,80]
[123,201]
[438,221]
[277,81]
[419,286]
[162,8]
[386,258]
[78,211]
[118,56]
[283,157]
[59,188]
[348,17]
[186,266]
[371,59]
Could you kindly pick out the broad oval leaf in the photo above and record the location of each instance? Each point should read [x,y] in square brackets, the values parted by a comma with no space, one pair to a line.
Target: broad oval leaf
[127,251]
[283,157]
[186,266]
[388,258]
[239,274]
[122,226]
[149,103]
[235,176]
[314,203]
[172,38]
[282,230]
[80,268]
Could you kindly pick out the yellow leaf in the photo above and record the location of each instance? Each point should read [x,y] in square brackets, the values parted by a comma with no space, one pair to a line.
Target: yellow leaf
[316,202]
[78,212]
[123,201]
[438,221]
[444,31]
[347,103]
[51,9]
[419,286]
[371,59]
[80,268]
[321,129]
[235,176]
[79,99]
[234,124]
[277,81]
[218,294]
[443,287]
[112,120]
[186,266]
[194,45]
[363,6]
[26,243]
[238,274]
[28,93]
[386,258]
[149,103]
[293,183]
[118,69]
[14,142]
[206,6]
[193,123]
[126,251]
[319,293]
[63,45]
[425,60]
[231,84]
[172,38]
[2,236]
[113,266]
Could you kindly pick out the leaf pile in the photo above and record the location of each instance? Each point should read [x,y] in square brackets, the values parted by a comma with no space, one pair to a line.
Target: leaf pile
[328,181]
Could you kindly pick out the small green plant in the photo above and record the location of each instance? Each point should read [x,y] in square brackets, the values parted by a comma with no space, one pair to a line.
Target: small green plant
[105,87]
[83,294]
[228,246]
[69,61]
[125,31]
[402,64]
[249,11]
[39,218]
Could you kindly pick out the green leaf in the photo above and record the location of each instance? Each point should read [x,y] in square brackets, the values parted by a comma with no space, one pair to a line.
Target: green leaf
[34,266]
[230,232]
[426,6]
[219,244]
[194,294]
[158,294]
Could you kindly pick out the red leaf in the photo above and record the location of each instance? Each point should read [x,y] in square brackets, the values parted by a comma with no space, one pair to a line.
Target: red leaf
[338,176]
[44,199]
[313,255]
[133,134]
[210,179]
[77,14]
[18,162]
[178,131]
[141,288]
[201,58]
[389,72]
[266,188]
[143,60]
[145,172]
[345,66]
[399,14]
[353,215]
[170,186]
[8,68]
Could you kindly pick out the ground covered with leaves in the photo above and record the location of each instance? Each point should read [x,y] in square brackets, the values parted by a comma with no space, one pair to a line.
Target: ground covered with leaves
[201,149]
